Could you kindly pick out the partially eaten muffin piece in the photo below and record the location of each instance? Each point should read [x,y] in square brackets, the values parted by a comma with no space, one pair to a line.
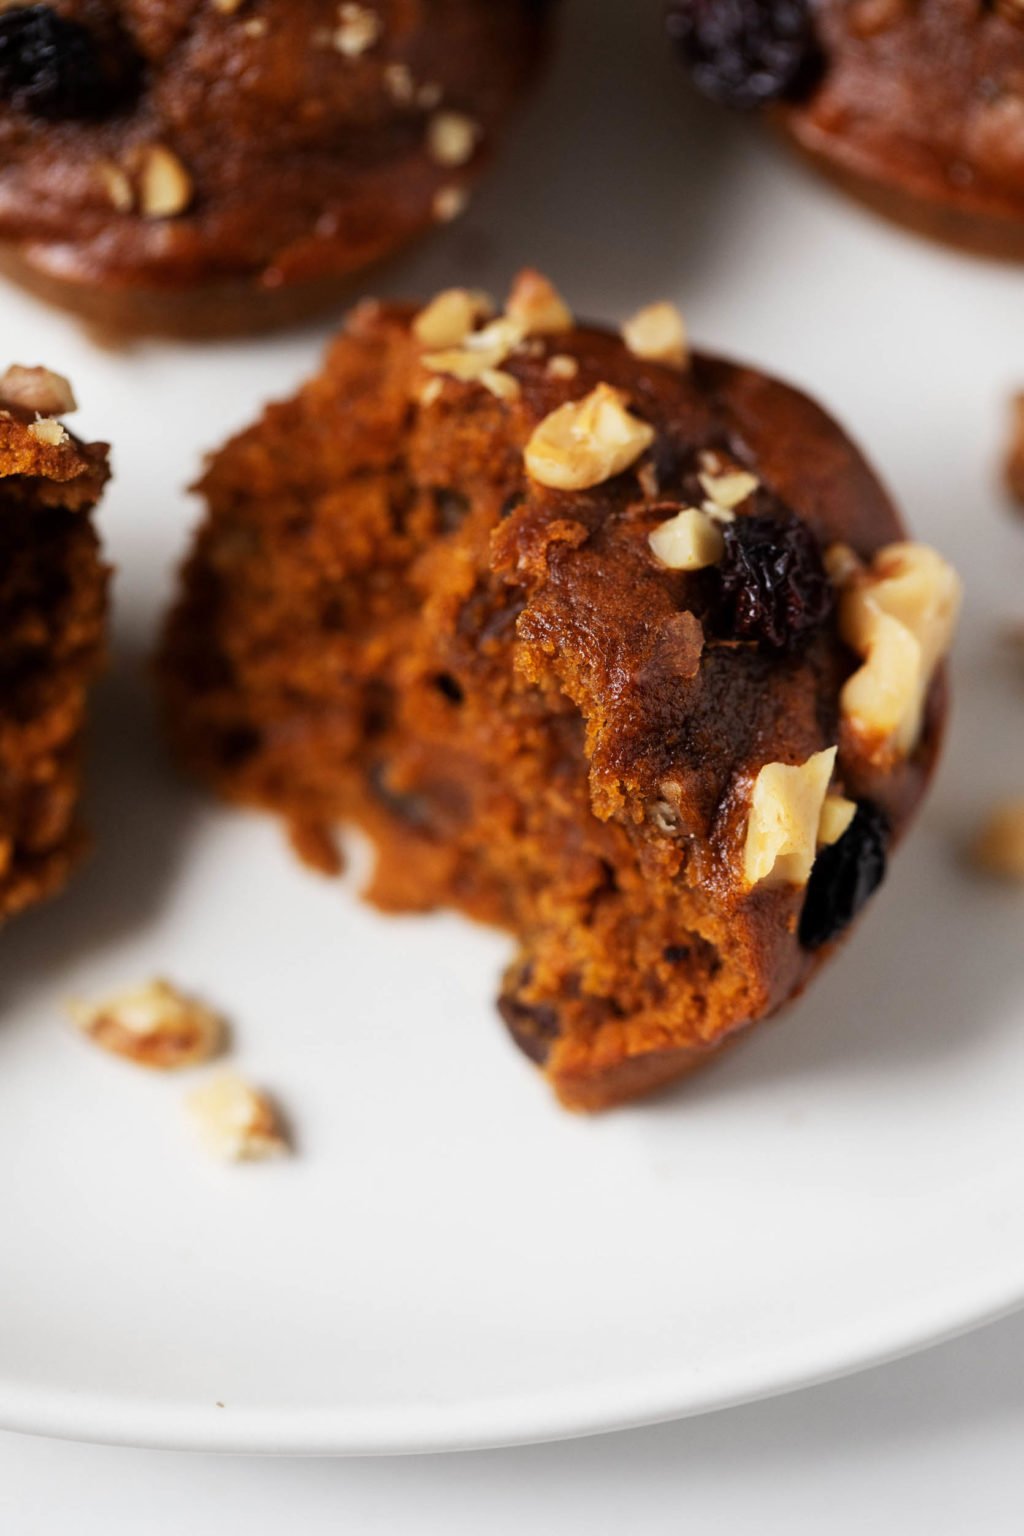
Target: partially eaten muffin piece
[617,646]
[52,607]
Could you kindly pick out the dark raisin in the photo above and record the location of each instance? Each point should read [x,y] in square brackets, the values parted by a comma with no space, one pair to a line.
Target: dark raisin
[54,68]
[843,878]
[533,1026]
[773,584]
[676,954]
[744,53]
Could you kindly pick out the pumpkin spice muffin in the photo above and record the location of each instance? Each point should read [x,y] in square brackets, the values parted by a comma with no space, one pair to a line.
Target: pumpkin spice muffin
[207,166]
[52,604]
[915,106]
[620,647]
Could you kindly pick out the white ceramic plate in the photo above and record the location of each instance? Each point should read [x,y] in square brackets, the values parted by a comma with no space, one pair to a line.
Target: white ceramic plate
[450,1260]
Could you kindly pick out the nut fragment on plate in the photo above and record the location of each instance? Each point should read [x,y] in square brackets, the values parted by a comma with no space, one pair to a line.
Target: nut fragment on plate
[237,1122]
[1014,466]
[154,1025]
[690,541]
[783,828]
[899,615]
[657,333]
[998,848]
[585,442]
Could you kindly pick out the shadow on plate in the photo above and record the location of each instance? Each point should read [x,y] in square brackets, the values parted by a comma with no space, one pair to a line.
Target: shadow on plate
[138,814]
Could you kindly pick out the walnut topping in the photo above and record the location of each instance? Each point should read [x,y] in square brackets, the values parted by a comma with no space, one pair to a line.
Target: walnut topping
[449,202]
[228,7]
[399,82]
[37,389]
[998,848]
[479,352]
[689,541]
[836,818]
[785,815]
[165,187]
[358,29]
[657,334]
[538,306]
[48,431]
[153,1025]
[724,483]
[503,386]
[116,185]
[899,615]
[561,366]
[586,442]
[452,138]
[448,319]
[236,1121]
[1015,451]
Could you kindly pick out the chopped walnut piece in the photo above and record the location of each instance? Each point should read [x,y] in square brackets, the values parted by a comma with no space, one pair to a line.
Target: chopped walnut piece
[1015,452]
[503,386]
[538,306]
[899,615]
[165,187]
[153,1025]
[657,334]
[725,484]
[48,431]
[785,815]
[836,818]
[998,848]
[37,389]
[116,185]
[399,82]
[479,352]
[236,1122]
[449,202]
[561,366]
[586,442]
[452,138]
[449,317]
[358,29]
[690,541]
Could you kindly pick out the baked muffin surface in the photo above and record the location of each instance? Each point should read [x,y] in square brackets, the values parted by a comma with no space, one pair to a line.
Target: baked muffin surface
[244,155]
[538,607]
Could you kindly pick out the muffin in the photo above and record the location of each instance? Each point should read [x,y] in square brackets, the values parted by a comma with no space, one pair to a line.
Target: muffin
[915,106]
[52,604]
[203,168]
[616,646]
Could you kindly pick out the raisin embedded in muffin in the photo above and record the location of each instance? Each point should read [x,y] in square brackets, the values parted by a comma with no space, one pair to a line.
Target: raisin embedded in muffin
[52,604]
[616,646]
[916,106]
[206,166]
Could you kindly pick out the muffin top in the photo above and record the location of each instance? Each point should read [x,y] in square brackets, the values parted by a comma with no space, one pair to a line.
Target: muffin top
[272,140]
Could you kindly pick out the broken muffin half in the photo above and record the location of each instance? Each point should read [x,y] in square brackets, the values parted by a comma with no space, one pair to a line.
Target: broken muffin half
[52,608]
[620,647]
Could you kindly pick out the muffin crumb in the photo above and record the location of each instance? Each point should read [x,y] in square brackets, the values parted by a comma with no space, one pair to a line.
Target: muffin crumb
[998,847]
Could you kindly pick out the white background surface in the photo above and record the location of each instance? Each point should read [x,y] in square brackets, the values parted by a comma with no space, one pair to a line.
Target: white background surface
[624,193]
[930,1446]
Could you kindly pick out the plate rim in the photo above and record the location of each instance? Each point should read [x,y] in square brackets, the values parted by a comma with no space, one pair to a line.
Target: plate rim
[480,1424]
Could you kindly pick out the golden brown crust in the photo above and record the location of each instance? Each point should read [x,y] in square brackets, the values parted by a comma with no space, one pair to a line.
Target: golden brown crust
[52,606]
[383,620]
[264,153]
[920,113]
